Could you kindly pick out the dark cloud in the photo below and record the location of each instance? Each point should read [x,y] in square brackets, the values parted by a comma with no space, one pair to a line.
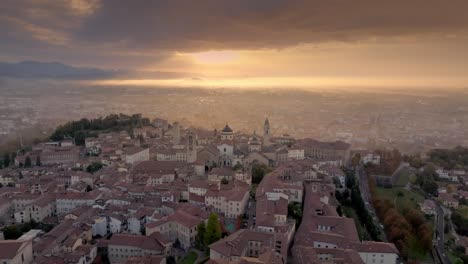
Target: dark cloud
[246,24]
[77,29]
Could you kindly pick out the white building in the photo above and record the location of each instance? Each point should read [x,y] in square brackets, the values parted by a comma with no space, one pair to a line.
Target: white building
[295,153]
[121,247]
[371,158]
[16,252]
[37,210]
[115,224]
[230,202]
[100,226]
[181,226]
[67,202]
[227,133]
[136,154]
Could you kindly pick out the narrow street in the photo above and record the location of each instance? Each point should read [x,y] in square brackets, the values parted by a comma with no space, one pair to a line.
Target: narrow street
[440,242]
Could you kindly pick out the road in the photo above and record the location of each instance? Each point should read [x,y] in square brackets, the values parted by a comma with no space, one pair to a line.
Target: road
[440,242]
[363,179]
[250,214]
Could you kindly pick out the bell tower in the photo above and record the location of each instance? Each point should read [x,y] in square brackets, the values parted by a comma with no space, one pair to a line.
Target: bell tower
[266,133]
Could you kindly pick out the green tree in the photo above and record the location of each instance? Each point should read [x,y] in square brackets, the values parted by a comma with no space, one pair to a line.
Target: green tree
[213,230]
[79,138]
[95,166]
[350,180]
[258,172]
[224,180]
[200,237]
[6,160]
[238,166]
[27,162]
[295,212]
[11,232]
[431,187]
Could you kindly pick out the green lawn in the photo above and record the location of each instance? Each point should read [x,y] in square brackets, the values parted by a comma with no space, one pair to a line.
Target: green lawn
[401,197]
[453,258]
[404,175]
[189,258]
[351,213]
[463,210]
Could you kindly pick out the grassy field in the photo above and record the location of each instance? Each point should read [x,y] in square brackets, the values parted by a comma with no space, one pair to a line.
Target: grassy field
[351,213]
[404,175]
[401,197]
[189,258]
[453,258]
[463,210]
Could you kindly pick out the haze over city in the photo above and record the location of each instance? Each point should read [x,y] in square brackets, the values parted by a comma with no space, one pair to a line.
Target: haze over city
[233,131]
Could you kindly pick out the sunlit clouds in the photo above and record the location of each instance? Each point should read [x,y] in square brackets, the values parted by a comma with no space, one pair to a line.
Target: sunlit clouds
[215,57]
[244,43]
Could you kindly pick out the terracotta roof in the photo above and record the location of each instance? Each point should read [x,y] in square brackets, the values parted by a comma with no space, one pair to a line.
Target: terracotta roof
[235,244]
[146,260]
[9,248]
[138,241]
[375,247]
[152,166]
[133,150]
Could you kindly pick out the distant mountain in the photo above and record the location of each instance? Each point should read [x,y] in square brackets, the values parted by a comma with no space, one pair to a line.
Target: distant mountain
[51,70]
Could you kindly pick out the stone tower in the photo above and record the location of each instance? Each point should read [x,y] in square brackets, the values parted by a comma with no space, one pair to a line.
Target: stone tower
[176,133]
[266,133]
[191,147]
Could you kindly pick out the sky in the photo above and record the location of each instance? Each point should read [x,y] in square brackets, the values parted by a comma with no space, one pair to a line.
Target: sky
[245,43]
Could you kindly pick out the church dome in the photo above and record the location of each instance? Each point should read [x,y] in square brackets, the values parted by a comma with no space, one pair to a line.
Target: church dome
[227,129]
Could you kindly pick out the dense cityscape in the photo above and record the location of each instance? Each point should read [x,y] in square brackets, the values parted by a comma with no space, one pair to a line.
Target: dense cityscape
[125,188]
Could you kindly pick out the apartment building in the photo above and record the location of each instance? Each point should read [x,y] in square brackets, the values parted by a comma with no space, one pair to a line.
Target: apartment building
[135,154]
[122,247]
[16,251]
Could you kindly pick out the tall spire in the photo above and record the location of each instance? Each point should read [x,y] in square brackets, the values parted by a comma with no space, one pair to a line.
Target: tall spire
[266,132]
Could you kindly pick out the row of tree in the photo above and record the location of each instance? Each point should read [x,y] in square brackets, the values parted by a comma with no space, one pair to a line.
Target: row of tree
[352,197]
[17,230]
[83,128]
[7,160]
[403,226]
[461,222]
[450,158]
